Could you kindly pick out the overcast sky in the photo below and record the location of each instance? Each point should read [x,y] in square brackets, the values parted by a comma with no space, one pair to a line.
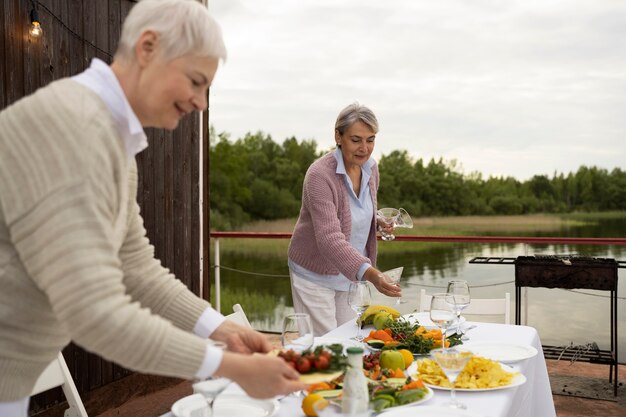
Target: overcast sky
[505,87]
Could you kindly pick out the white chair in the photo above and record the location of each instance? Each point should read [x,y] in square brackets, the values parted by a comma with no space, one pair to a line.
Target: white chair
[239,316]
[55,375]
[478,306]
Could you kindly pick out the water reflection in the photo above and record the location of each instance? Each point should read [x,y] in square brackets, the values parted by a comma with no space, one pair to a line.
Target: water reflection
[558,314]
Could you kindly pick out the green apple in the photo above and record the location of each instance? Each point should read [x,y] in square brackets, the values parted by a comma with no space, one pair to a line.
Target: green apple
[391,359]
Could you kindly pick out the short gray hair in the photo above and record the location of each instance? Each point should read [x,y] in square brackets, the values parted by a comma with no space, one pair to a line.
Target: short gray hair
[185,27]
[353,113]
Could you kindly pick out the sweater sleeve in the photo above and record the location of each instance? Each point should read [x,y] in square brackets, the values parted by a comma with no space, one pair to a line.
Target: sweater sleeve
[322,202]
[66,248]
[147,281]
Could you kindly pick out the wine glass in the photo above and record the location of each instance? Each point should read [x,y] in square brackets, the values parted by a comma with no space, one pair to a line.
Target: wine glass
[395,218]
[442,313]
[452,362]
[393,277]
[388,216]
[461,293]
[297,332]
[359,299]
[211,387]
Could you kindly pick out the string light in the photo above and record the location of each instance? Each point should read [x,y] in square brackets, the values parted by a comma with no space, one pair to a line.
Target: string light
[35,27]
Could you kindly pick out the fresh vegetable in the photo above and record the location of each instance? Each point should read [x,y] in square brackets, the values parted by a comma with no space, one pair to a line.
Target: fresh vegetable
[321,359]
[386,394]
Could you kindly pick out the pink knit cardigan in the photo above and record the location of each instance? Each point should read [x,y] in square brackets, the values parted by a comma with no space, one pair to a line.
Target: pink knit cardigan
[321,237]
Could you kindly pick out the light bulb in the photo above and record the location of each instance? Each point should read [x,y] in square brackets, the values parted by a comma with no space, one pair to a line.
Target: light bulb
[35,30]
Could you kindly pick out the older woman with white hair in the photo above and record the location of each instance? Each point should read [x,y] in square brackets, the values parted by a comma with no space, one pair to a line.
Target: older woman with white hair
[334,240]
[75,263]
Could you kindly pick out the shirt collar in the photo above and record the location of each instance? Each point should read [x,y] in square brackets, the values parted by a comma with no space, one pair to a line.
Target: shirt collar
[341,168]
[99,78]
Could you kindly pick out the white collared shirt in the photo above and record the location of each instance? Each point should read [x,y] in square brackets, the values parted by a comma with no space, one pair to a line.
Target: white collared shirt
[99,78]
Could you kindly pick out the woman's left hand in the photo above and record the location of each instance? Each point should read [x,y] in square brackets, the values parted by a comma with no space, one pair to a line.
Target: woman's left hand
[241,339]
[385,227]
[383,286]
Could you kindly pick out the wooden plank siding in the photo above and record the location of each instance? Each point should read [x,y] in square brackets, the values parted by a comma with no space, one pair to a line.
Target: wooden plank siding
[75,31]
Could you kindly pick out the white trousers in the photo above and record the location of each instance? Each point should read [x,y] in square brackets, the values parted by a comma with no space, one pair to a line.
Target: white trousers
[328,308]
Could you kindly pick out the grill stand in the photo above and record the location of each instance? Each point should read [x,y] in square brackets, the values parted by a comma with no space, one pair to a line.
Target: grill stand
[568,273]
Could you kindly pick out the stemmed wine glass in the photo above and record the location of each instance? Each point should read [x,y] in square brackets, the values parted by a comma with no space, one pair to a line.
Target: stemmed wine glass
[394,217]
[359,298]
[393,277]
[211,387]
[461,293]
[442,313]
[452,362]
[297,332]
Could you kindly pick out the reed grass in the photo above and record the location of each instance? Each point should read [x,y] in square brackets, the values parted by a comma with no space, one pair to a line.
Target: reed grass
[425,226]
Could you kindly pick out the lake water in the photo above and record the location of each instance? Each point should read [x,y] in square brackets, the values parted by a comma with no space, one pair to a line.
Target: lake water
[561,316]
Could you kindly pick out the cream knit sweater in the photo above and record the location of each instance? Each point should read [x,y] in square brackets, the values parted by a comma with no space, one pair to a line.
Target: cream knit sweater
[75,263]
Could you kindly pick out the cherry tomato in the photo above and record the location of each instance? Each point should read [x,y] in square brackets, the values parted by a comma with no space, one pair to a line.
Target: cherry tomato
[322,362]
[303,365]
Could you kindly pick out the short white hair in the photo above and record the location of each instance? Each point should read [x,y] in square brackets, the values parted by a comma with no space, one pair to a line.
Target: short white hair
[185,27]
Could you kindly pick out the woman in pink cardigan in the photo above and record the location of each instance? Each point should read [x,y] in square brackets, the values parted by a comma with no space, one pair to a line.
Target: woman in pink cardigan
[334,240]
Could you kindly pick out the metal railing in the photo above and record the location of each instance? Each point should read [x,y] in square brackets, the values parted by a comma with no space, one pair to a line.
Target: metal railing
[404,238]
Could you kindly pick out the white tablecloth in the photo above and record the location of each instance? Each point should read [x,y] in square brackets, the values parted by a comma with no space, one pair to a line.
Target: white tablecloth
[532,399]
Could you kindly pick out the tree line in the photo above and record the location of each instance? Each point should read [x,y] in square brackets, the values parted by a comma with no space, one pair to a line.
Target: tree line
[255,178]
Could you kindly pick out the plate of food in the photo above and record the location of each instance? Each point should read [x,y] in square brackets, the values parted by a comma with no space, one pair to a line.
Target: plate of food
[412,336]
[402,399]
[226,405]
[392,393]
[480,374]
[501,352]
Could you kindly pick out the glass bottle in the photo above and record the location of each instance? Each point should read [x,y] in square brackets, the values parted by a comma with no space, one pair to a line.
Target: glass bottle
[355,400]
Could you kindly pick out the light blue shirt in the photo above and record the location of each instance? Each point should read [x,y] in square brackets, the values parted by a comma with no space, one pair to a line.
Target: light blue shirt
[361,213]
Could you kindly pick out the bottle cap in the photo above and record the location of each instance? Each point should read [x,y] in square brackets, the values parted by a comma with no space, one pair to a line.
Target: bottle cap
[354,350]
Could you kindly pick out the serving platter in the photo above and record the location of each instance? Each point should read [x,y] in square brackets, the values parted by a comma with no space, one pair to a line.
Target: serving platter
[500,351]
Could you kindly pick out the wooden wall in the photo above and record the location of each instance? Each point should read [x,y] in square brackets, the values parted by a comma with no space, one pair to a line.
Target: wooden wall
[75,31]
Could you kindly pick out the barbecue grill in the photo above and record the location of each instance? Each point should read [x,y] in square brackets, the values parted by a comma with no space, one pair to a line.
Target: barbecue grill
[568,271]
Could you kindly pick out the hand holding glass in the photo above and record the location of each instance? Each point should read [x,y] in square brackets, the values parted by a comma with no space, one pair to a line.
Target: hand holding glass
[359,298]
[395,218]
[452,362]
[211,387]
[297,332]
[459,289]
[442,313]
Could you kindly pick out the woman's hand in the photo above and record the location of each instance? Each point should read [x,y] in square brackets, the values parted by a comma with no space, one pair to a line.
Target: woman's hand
[260,376]
[384,227]
[381,283]
[241,339]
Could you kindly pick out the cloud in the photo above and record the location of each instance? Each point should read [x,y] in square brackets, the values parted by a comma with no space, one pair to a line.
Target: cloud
[507,88]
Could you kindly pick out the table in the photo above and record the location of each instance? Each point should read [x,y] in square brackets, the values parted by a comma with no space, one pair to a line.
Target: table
[534,398]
